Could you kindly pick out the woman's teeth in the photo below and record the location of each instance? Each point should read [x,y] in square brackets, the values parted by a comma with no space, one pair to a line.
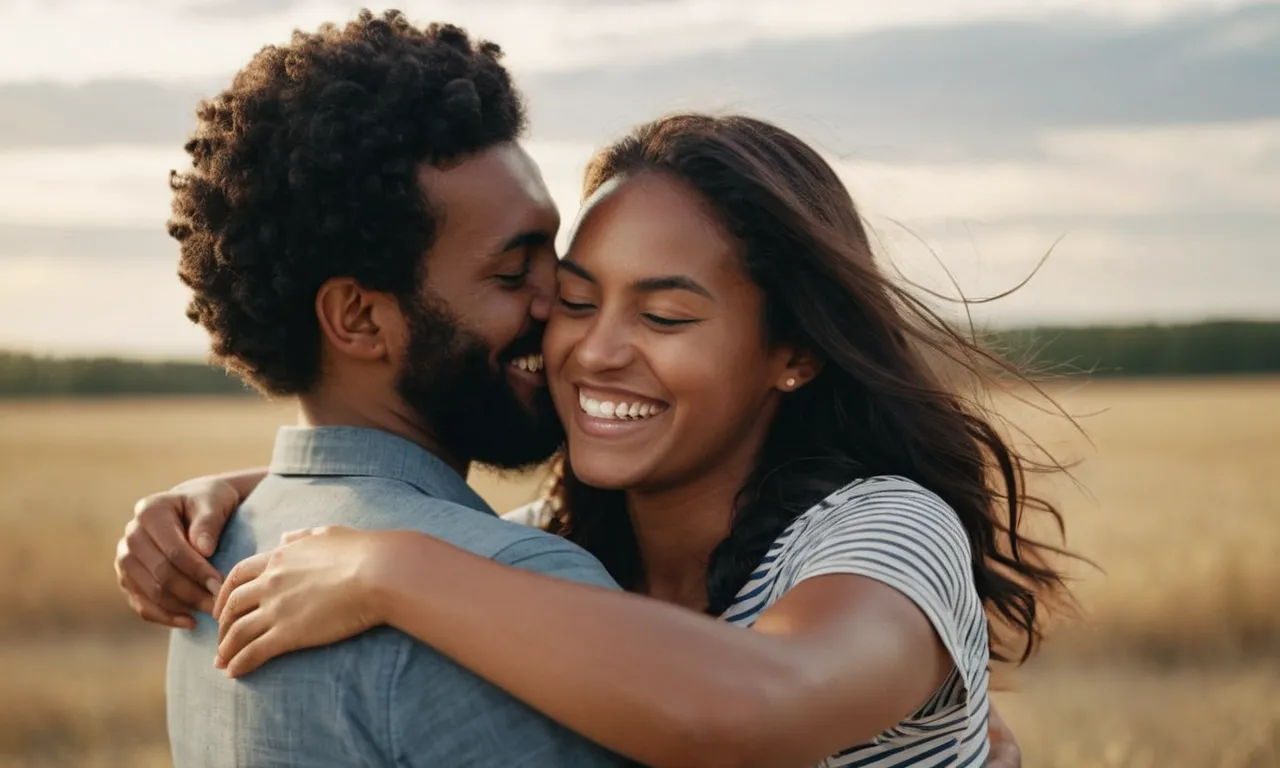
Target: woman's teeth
[607,409]
[532,363]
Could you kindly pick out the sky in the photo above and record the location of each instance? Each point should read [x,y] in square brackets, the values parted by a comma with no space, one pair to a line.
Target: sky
[1137,140]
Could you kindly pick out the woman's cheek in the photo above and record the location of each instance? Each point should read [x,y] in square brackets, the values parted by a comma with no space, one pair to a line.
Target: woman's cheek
[556,346]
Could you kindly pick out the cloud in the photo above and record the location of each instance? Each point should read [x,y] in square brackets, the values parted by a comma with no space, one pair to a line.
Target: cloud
[1150,138]
[198,38]
[88,289]
[236,9]
[110,187]
[980,89]
[91,304]
[102,245]
[949,91]
[99,290]
[1072,176]
[1096,272]
[100,112]
[1112,174]
[1169,222]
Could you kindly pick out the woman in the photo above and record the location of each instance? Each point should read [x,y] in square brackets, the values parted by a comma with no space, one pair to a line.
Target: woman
[811,526]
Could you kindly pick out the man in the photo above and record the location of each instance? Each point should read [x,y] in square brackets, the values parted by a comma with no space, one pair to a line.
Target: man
[362,232]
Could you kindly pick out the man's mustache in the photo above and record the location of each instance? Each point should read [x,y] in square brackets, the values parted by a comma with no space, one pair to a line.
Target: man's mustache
[527,344]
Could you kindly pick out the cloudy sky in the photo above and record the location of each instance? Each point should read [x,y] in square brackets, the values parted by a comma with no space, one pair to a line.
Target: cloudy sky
[1142,134]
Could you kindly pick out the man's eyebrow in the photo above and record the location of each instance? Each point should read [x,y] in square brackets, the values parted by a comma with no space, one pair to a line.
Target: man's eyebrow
[529,239]
[644,285]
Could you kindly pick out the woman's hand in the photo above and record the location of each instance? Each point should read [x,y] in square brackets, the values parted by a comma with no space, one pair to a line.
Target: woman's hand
[1005,752]
[161,563]
[317,588]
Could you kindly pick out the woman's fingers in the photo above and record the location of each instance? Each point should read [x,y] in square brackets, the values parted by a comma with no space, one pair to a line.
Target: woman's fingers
[244,572]
[242,631]
[292,536]
[261,649]
[245,600]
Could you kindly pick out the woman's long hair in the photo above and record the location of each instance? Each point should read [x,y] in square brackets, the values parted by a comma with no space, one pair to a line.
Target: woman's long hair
[878,406]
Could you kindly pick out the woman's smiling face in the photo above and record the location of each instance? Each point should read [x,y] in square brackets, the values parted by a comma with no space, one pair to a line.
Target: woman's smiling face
[656,350]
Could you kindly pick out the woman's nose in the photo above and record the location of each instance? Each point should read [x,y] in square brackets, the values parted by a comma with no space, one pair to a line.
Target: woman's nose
[606,346]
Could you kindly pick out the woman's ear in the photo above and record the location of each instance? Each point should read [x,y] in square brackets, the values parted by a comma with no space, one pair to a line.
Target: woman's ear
[803,366]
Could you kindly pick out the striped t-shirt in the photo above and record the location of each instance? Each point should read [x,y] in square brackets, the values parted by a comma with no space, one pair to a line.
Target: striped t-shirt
[894,531]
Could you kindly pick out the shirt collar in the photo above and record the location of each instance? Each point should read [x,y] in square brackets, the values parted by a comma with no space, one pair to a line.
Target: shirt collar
[362,452]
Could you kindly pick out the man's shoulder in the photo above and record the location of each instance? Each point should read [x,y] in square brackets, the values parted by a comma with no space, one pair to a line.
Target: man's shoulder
[282,504]
[536,550]
[372,503]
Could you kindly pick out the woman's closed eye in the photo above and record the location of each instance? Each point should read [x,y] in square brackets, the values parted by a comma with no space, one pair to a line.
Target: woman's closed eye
[650,317]
[666,322]
[574,306]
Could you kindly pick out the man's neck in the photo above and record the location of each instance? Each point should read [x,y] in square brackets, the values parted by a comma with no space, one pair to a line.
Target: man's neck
[320,410]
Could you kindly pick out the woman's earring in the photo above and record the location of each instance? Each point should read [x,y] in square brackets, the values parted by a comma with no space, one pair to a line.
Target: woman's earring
[790,382]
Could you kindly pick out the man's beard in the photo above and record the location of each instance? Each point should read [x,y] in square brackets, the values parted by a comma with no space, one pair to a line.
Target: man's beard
[471,408]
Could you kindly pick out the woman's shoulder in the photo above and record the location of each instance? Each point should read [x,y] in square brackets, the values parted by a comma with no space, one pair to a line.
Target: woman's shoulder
[535,514]
[896,531]
[871,518]
[881,486]
[877,495]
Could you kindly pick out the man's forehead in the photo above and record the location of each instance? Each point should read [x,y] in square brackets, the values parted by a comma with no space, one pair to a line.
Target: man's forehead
[502,180]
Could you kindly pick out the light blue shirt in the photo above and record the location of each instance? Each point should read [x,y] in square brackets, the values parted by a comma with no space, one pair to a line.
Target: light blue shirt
[382,698]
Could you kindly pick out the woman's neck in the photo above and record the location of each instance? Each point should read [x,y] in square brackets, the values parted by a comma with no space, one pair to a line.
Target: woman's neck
[678,527]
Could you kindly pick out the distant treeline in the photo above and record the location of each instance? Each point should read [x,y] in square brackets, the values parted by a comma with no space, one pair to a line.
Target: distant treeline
[24,375]
[1203,349]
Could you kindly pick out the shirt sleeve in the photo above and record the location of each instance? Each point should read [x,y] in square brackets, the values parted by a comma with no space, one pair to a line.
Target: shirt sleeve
[902,535]
[554,556]
[442,714]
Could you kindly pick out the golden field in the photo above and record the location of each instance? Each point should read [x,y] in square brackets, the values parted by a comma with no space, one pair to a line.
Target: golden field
[1175,661]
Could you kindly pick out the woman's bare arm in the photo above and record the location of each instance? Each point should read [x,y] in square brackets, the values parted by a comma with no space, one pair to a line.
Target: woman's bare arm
[836,661]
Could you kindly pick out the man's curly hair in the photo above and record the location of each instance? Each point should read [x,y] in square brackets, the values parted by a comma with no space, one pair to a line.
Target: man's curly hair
[305,170]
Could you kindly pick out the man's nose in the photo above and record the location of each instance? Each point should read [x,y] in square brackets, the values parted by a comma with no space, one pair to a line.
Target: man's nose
[542,282]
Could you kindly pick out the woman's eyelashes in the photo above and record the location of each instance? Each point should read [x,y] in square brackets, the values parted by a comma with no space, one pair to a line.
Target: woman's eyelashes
[666,322]
[574,306]
[580,307]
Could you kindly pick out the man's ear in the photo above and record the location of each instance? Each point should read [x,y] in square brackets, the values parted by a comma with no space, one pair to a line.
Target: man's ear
[802,367]
[356,322]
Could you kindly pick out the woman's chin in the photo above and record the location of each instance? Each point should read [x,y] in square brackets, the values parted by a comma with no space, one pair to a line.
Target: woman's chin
[607,475]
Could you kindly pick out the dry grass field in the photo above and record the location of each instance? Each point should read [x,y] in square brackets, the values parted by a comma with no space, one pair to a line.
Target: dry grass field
[1175,661]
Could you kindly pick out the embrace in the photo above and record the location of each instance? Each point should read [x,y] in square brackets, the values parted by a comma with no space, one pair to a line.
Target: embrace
[778,533]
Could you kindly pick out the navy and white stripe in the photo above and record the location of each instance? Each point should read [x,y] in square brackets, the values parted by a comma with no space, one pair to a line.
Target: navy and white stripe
[894,531]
